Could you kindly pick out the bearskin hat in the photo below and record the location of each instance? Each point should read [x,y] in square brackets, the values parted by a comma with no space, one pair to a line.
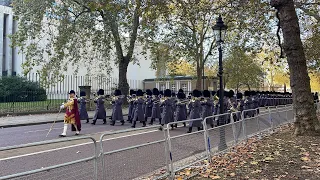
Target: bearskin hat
[160,92]
[132,92]
[149,92]
[117,92]
[247,93]
[231,93]
[226,93]
[139,92]
[213,93]
[155,91]
[181,95]
[196,93]
[167,93]
[82,93]
[239,95]
[180,90]
[173,94]
[206,93]
[100,92]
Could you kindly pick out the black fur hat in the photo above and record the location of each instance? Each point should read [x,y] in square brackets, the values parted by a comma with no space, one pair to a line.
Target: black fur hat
[196,93]
[206,93]
[161,92]
[155,91]
[231,93]
[167,93]
[173,94]
[149,92]
[139,92]
[213,93]
[200,93]
[181,95]
[117,92]
[226,93]
[247,93]
[239,95]
[180,90]
[132,92]
[101,92]
[82,93]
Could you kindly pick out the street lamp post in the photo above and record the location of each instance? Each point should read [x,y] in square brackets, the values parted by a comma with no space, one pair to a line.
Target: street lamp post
[220,29]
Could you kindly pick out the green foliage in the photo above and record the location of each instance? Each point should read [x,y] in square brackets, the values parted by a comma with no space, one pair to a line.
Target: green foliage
[241,70]
[19,89]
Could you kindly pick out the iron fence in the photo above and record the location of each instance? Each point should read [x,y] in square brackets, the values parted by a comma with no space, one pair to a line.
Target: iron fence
[135,153]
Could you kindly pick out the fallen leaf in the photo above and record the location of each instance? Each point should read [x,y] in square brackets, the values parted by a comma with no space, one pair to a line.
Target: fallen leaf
[305,167]
[254,163]
[256,171]
[233,174]
[305,159]
[268,159]
[187,172]
[215,177]
[179,178]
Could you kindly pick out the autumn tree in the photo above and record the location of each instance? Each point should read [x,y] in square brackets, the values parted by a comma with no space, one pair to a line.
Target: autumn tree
[56,34]
[241,70]
[306,122]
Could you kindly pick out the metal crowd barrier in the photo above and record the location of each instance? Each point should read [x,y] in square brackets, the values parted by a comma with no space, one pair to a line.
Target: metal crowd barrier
[169,150]
[50,170]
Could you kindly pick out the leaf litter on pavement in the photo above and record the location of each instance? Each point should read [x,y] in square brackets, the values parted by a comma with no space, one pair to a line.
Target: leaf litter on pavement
[278,156]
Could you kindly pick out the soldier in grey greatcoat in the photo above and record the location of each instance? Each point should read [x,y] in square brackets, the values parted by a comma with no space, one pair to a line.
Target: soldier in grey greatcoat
[167,112]
[156,113]
[248,104]
[131,106]
[117,101]
[148,105]
[138,110]
[195,106]
[207,105]
[83,108]
[100,112]
[181,108]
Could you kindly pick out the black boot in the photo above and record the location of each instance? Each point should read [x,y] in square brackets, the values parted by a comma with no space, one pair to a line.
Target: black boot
[145,119]
[172,126]
[134,124]
[94,122]
[129,118]
[211,125]
[176,125]
[199,128]
[122,123]
[184,124]
[87,120]
[160,121]
[161,128]
[151,122]
[104,121]
[112,123]
[190,130]
[144,124]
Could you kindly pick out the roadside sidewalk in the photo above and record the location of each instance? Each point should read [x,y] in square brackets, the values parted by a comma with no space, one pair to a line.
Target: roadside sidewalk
[26,120]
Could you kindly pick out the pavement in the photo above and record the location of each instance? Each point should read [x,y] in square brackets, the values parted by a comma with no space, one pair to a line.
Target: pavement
[26,120]
[124,157]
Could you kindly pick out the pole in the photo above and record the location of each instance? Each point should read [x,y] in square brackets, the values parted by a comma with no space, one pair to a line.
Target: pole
[222,144]
[203,77]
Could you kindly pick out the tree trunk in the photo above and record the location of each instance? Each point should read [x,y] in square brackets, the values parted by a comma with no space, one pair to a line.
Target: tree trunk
[123,82]
[199,77]
[306,122]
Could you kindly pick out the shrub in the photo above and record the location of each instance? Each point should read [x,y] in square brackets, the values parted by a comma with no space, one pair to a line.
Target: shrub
[19,89]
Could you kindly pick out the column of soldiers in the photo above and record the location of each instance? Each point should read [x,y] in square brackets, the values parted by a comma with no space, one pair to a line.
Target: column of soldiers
[166,106]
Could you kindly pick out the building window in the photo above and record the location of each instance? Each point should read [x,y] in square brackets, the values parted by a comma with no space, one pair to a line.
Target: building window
[173,87]
[184,87]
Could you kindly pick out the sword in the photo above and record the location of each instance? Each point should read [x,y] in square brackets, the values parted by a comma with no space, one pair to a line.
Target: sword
[53,123]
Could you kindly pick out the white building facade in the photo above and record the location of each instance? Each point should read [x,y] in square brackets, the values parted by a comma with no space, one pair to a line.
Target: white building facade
[11,60]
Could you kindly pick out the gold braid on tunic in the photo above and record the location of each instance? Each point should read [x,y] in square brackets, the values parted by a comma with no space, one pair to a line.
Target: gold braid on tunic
[69,118]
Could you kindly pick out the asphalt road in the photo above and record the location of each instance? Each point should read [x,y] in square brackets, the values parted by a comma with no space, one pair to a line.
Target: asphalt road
[127,163]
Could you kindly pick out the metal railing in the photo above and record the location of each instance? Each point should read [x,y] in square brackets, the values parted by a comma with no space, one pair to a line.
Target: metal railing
[144,152]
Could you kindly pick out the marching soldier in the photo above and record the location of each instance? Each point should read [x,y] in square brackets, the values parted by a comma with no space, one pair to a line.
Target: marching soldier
[195,106]
[247,104]
[181,108]
[166,104]
[100,112]
[83,108]
[117,101]
[148,105]
[240,104]
[138,110]
[207,105]
[131,106]
[72,115]
[155,106]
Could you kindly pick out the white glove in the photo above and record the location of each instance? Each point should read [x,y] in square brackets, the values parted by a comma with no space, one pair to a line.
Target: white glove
[62,107]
